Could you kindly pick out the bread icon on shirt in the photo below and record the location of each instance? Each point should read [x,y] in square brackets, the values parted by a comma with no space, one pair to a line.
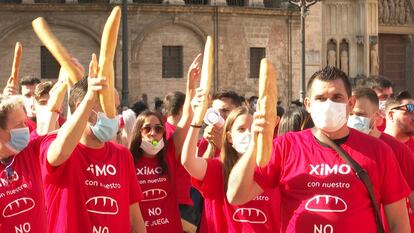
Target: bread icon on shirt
[250,215]
[326,203]
[102,205]
[18,206]
[154,194]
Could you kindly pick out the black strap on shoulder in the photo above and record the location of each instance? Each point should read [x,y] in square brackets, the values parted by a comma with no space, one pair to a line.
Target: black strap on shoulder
[359,171]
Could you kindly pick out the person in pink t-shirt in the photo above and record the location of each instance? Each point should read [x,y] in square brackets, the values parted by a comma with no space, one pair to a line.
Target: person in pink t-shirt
[210,177]
[22,203]
[90,183]
[400,119]
[156,158]
[320,192]
[364,117]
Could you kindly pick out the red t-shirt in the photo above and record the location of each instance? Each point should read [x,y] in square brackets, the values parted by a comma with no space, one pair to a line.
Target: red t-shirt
[182,176]
[410,144]
[31,124]
[159,206]
[254,216]
[320,192]
[92,191]
[33,135]
[22,202]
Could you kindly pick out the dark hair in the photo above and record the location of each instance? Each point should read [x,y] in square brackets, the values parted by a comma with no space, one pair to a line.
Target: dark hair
[157,102]
[403,95]
[327,74]
[135,139]
[368,93]
[29,80]
[42,89]
[295,119]
[280,111]
[173,102]
[233,96]
[376,82]
[77,93]
[396,100]
[138,107]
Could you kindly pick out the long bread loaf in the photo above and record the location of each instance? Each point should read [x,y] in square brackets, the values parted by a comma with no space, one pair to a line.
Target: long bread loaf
[18,50]
[206,78]
[106,61]
[42,30]
[266,104]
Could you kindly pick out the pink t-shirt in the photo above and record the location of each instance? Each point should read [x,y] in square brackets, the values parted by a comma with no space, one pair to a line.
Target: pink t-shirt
[182,176]
[33,135]
[159,205]
[22,203]
[92,191]
[254,216]
[320,192]
[410,144]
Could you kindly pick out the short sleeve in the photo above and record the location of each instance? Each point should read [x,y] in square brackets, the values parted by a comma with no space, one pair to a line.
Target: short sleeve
[269,176]
[212,186]
[393,187]
[135,192]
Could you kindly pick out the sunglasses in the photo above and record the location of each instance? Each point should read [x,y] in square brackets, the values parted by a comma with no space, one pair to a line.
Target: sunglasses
[405,107]
[158,129]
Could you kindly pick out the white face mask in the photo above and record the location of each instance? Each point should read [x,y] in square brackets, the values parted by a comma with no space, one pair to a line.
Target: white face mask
[241,141]
[381,105]
[152,148]
[359,123]
[328,116]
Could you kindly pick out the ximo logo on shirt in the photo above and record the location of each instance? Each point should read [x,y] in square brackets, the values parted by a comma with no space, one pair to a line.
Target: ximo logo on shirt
[5,182]
[149,171]
[325,169]
[105,170]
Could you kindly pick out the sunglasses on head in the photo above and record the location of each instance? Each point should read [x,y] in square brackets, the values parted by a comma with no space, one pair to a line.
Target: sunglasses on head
[405,107]
[158,129]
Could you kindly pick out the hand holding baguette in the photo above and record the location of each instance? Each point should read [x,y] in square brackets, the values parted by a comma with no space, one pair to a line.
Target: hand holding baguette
[206,79]
[57,94]
[106,61]
[42,30]
[266,104]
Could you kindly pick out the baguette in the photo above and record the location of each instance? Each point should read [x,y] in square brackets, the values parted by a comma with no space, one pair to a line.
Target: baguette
[16,64]
[57,94]
[266,104]
[206,79]
[42,30]
[106,61]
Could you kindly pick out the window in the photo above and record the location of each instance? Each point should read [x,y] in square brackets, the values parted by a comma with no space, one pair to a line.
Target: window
[10,1]
[49,67]
[172,61]
[256,55]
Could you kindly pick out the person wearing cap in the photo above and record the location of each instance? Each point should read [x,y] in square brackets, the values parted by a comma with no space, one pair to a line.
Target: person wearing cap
[22,201]
[320,191]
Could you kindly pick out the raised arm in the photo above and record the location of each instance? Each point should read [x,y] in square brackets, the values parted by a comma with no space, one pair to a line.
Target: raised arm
[196,166]
[71,132]
[182,127]
[242,187]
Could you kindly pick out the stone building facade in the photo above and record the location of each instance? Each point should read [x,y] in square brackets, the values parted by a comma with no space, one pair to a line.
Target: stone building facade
[235,29]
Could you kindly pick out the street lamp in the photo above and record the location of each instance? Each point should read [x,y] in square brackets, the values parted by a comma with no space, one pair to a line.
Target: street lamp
[304,7]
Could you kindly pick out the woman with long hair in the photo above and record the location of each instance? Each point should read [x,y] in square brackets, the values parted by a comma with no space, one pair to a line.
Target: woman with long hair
[210,177]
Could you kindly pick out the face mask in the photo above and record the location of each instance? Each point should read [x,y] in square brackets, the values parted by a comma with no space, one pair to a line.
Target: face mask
[359,123]
[328,116]
[381,105]
[105,129]
[19,139]
[152,148]
[241,141]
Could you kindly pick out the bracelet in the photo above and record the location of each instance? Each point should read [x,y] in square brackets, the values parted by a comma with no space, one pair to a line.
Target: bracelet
[196,126]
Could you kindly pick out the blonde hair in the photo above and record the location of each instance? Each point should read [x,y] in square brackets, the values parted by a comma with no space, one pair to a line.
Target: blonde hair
[7,105]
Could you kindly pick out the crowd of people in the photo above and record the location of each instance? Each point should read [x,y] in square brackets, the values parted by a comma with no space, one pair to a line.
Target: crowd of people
[160,171]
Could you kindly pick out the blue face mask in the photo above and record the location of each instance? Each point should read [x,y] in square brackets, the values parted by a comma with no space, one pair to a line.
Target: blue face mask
[105,129]
[19,139]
